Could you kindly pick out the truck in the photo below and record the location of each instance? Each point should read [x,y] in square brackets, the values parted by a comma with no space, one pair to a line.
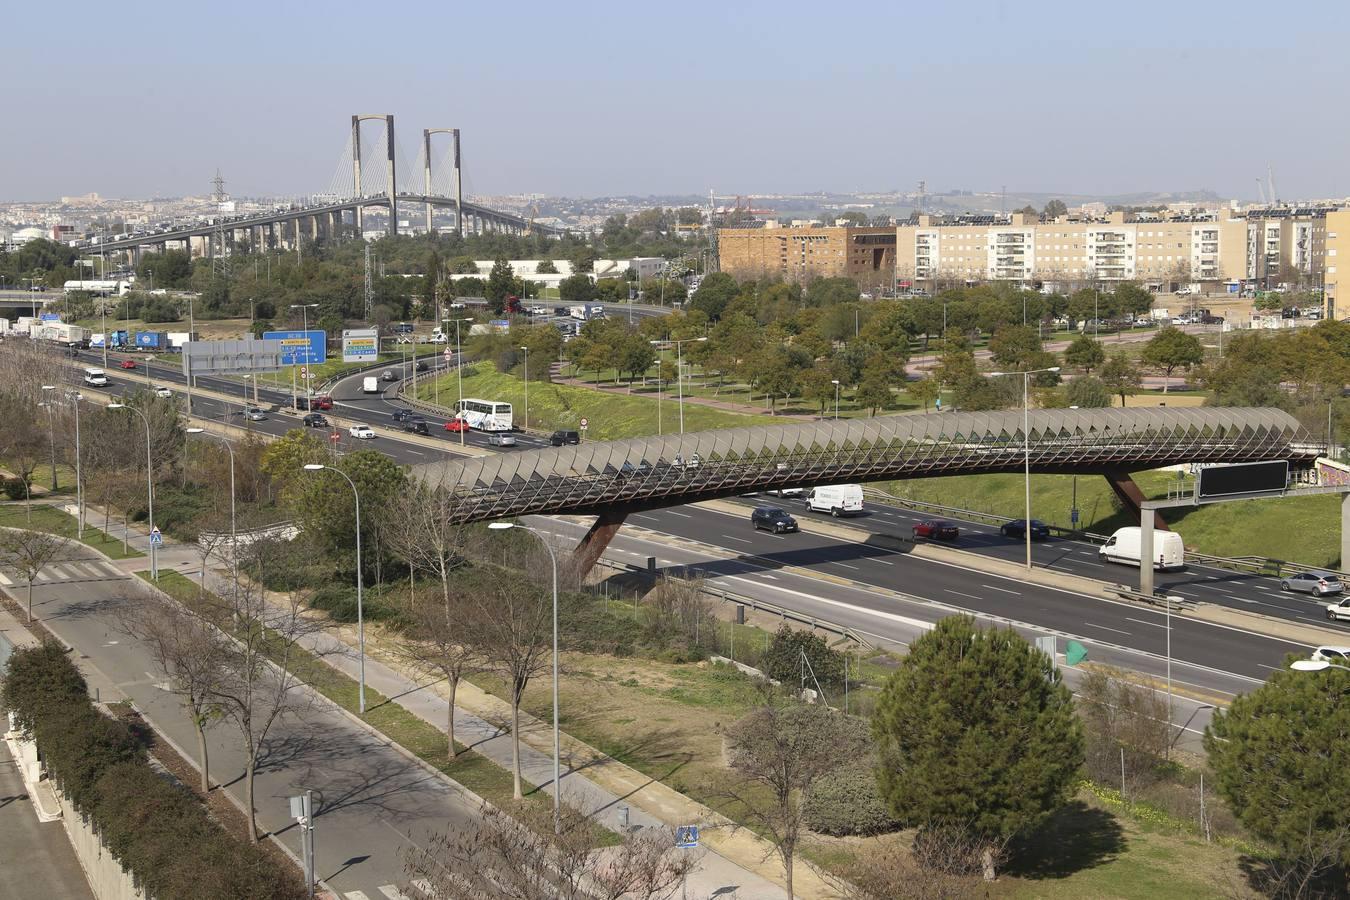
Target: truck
[370,384]
[835,499]
[579,312]
[513,307]
[178,338]
[1123,547]
[61,333]
[152,340]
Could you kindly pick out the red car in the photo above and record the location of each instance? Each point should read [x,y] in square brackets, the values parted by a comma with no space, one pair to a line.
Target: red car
[937,530]
[128,363]
[457,425]
[322,401]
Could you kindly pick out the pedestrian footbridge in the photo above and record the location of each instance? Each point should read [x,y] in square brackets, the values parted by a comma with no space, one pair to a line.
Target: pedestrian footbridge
[613,479]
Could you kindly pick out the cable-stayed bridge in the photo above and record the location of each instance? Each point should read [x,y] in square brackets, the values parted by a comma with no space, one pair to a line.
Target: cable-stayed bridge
[368,174]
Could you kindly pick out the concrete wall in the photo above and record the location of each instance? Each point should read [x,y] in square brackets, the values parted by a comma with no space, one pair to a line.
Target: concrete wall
[105,875]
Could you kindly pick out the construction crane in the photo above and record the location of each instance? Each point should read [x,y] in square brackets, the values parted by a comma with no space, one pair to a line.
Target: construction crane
[1270,177]
[532,213]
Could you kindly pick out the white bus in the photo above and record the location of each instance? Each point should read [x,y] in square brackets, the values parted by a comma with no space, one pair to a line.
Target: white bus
[485,415]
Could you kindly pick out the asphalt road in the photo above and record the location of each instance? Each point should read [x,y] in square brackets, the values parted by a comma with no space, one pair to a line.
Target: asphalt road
[371,797]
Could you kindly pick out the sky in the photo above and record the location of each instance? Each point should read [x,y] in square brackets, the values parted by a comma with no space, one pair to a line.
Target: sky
[598,99]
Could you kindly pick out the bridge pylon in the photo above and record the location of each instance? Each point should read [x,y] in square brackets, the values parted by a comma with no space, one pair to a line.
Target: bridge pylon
[389,162]
[459,181]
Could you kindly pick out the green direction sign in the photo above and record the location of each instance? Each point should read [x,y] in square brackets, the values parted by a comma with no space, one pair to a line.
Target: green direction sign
[1075,653]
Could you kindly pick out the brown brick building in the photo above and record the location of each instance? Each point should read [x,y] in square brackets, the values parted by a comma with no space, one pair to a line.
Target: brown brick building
[866,255]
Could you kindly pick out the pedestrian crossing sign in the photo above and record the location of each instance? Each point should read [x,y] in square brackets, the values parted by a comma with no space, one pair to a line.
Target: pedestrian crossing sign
[686,837]
[155,537]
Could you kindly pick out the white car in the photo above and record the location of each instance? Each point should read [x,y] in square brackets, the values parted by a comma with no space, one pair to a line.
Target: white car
[163,392]
[362,432]
[1339,610]
[1338,655]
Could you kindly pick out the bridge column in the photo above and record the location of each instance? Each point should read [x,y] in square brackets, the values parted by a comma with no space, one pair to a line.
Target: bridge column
[1129,494]
[593,544]
[393,184]
[313,229]
[1146,552]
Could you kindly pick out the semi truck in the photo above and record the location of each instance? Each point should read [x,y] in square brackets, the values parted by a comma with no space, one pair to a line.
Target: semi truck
[61,333]
[178,338]
[152,340]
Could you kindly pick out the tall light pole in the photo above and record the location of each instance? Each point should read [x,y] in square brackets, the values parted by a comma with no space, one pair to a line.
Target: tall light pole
[360,611]
[74,398]
[835,382]
[149,486]
[527,387]
[51,435]
[234,534]
[679,369]
[304,318]
[557,757]
[459,374]
[1026,444]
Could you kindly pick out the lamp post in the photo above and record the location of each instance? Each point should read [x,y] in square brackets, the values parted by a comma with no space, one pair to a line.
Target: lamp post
[234,534]
[360,613]
[557,757]
[527,386]
[148,360]
[51,436]
[149,486]
[679,369]
[459,374]
[74,398]
[1026,444]
[304,318]
[835,382]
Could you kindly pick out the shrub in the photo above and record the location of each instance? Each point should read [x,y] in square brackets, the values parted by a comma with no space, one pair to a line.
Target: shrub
[847,802]
[339,601]
[15,489]
[783,660]
[38,679]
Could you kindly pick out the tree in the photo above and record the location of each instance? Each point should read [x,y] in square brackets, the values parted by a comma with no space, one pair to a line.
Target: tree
[546,267]
[636,356]
[191,652]
[1170,349]
[970,700]
[583,259]
[1013,345]
[440,638]
[493,855]
[1120,375]
[1279,757]
[501,283]
[817,385]
[26,554]
[1054,209]
[924,390]
[576,288]
[326,509]
[1089,393]
[784,749]
[782,661]
[1085,353]
[714,293]
[874,393]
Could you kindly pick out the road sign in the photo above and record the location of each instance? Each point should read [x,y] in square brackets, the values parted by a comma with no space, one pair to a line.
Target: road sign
[584,424]
[300,347]
[1244,478]
[335,436]
[155,537]
[686,837]
[448,354]
[1073,516]
[360,345]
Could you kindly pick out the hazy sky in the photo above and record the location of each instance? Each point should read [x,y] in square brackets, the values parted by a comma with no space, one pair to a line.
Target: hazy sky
[585,98]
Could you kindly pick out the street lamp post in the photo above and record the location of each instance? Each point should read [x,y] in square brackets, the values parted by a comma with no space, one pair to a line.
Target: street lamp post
[679,370]
[527,386]
[360,614]
[459,374]
[51,435]
[304,318]
[74,398]
[557,757]
[1026,445]
[234,534]
[835,382]
[149,486]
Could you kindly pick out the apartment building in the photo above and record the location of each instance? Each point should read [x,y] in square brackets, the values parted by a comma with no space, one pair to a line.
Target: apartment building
[805,253]
[1336,269]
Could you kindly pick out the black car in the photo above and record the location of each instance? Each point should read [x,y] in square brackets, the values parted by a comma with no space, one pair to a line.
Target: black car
[421,366]
[558,438]
[402,415]
[560,310]
[315,420]
[1017,528]
[417,425]
[302,403]
[628,470]
[772,518]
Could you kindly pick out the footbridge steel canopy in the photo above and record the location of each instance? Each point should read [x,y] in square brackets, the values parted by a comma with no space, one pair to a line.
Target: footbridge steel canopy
[654,472]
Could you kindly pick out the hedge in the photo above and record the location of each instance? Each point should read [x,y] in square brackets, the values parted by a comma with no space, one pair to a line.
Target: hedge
[160,832]
[848,802]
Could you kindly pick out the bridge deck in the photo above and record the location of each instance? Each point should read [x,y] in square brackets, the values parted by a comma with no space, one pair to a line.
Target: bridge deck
[649,473]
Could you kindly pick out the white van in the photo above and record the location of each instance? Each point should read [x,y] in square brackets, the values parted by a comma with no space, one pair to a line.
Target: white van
[835,499]
[1123,547]
[370,385]
[95,377]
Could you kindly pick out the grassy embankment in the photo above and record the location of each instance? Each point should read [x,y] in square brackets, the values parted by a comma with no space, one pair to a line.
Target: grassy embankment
[54,521]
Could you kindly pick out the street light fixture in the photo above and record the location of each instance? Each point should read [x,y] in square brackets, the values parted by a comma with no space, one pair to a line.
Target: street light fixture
[1026,444]
[234,534]
[835,382]
[1312,665]
[75,398]
[679,369]
[149,487]
[360,612]
[557,757]
[527,386]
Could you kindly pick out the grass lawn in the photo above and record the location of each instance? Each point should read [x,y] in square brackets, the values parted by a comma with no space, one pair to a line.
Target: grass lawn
[611,416]
[54,521]
[1303,529]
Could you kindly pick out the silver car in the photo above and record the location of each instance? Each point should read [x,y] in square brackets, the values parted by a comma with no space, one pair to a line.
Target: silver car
[1319,584]
[501,439]
[254,414]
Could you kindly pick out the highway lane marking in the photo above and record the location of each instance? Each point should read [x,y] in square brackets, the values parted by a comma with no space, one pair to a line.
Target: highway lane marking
[845,565]
[648,518]
[1003,590]
[1142,622]
[881,561]
[680,514]
[1105,627]
[741,540]
[959,594]
[415,452]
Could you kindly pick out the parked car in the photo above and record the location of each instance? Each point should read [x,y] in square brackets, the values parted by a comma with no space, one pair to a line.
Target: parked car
[558,438]
[417,425]
[772,518]
[254,414]
[315,420]
[163,392]
[1332,654]
[1339,610]
[128,363]
[1017,528]
[936,530]
[457,425]
[501,439]
[362,432]
[1315,583]
[402,415]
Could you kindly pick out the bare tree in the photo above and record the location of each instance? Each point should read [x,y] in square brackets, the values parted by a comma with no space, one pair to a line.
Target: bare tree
[511,620]
[26,554]
[786,748]
[945,862]
[441,639]
[496,856]
[213,535]
[194,655]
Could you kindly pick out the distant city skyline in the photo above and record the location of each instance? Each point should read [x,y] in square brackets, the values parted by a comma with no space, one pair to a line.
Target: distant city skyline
[608,99]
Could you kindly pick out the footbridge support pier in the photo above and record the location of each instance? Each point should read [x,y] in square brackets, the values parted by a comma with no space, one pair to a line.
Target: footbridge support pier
[596,540]
[1130,496]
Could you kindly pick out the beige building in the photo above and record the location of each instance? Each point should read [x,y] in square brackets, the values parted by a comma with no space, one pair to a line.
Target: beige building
[801,254]
[1337,263]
